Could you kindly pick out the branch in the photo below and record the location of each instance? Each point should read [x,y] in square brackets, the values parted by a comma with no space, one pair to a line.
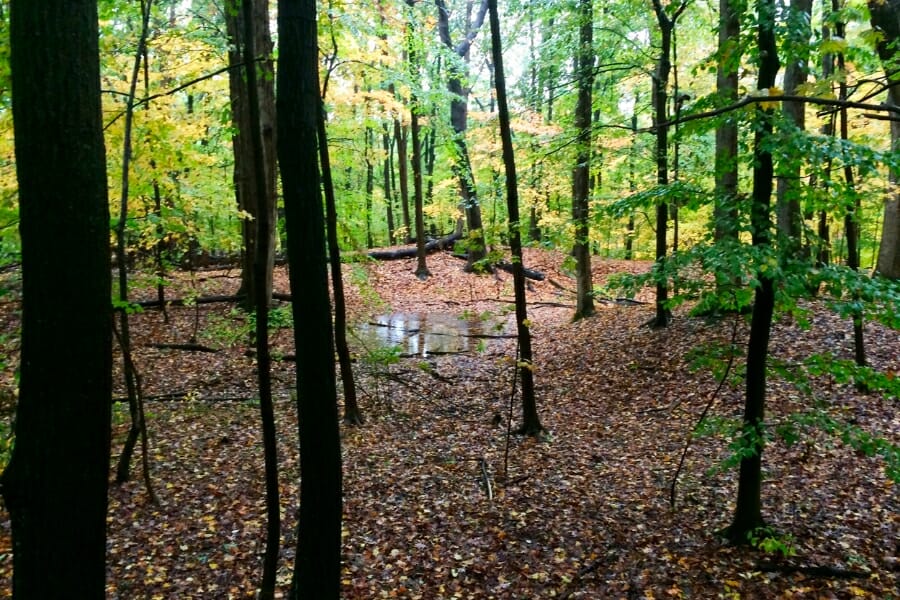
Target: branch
[748,100]
[175,90]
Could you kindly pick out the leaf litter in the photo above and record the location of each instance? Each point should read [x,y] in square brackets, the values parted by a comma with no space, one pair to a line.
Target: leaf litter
[439,502]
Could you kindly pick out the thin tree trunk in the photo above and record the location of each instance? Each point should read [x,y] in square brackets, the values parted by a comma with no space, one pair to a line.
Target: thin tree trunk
[388,188]
[660,117]
[135,403]
[352,413]
[584,297]
[531,423]
[413,63]
[851,216]
[748,510]
[263,295]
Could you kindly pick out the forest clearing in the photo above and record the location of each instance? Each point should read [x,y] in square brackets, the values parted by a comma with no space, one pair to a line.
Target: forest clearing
[582,512]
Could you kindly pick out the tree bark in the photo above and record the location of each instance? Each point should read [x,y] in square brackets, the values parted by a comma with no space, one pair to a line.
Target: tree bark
[262,271]
[660,118]
[413,63]
[352,413]
[748,510]
[725,211]
[584,299]
[789,217]
[462,165]
[55,486]
[245,185]
[531,423]
[317,563]
[885,18]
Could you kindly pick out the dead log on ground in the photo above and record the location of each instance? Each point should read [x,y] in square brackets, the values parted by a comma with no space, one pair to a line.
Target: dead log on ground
[430,247]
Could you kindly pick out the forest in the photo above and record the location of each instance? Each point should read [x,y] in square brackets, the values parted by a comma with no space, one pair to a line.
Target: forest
[450,299]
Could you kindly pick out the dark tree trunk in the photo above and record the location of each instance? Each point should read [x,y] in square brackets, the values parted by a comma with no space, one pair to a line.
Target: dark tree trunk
[531,423]
[388,188]
[851,216]
[413,62]
[725,211]
[352,413]
[55,486]
[400,139]
[317,563]
[748,511]
[462,166]
[262,270]
[885,18]
[132,380]
[584,297]
[660,118]
[245,186]
[370,185]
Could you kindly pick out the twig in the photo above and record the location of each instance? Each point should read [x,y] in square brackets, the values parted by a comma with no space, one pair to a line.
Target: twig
[487,479]
[712,399]
[509,416]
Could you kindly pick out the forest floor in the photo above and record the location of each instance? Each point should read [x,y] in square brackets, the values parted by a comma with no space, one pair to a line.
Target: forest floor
[440,502]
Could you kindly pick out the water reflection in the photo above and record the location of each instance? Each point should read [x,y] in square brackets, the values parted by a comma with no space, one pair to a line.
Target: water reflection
[421,334]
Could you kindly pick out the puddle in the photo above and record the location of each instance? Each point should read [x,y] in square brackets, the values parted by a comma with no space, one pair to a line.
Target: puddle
[423,334]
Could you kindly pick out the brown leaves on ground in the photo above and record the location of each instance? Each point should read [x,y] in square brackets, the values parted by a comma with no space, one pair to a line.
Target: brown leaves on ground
[441,503]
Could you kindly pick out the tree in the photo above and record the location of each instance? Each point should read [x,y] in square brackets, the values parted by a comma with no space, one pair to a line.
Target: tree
[748,510]
[660,80]
[55,486]
[459,107]
[245,186]
[885,17]
[795,75]
[584,302]
[413,62]
[531,423]
[262,271]
[727,67]
[317,562]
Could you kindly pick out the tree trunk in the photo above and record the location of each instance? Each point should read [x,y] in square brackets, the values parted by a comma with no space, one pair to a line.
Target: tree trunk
[725,211]
[55,486]
[245,186]
[851,215]
[795,74]
[386,185]
[317,563]
[462,166]
[352,413]
[660,121]
[885,17]
[413,63]
[748,511]
[584,297]
[531,423]
[132,380]
[262,270]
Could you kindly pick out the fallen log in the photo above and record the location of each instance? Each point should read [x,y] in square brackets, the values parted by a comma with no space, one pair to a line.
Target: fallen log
[506,266]
[188,301]
[529,273]
[191,347]
[410,252]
